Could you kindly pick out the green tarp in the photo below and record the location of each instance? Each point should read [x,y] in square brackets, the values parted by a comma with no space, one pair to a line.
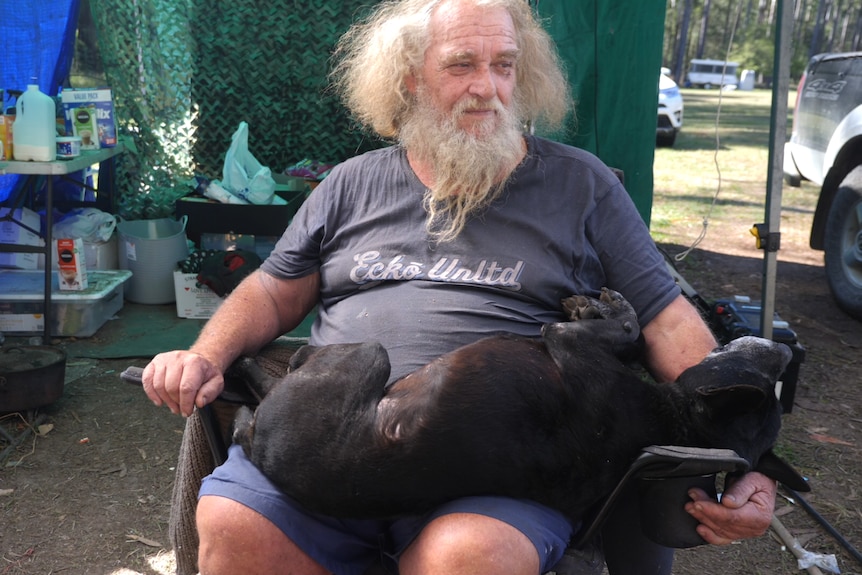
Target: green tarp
[612,51]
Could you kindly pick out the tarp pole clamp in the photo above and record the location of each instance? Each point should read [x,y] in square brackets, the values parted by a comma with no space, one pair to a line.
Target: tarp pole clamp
[766,240]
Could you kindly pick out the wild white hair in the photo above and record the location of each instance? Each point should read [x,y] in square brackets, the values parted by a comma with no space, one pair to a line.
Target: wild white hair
[374,57]
[377,55]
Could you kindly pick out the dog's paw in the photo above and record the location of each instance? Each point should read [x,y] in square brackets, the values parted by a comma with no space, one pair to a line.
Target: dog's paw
[578,307]
[610,305]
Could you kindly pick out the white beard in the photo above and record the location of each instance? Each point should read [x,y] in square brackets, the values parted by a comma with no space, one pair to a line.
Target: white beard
[468,169]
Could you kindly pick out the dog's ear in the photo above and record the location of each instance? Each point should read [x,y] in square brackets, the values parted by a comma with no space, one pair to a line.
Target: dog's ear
[773,466]
[747,365]
[748,359]
[734,400]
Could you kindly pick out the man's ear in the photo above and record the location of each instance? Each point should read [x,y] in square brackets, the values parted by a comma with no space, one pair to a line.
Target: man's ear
[411,82]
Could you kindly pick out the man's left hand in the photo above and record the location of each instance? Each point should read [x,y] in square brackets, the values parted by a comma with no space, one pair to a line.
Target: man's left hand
[745,509]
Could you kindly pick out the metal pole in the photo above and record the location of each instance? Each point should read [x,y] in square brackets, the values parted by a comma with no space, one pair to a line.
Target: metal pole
[777,137]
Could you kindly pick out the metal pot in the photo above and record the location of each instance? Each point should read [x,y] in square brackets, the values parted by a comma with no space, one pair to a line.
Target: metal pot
[31,377]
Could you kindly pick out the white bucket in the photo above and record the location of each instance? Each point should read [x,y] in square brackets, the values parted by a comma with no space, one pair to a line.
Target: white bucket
[150,249]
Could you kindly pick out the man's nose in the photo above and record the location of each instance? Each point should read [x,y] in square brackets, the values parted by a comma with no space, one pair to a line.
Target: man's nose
[483,84]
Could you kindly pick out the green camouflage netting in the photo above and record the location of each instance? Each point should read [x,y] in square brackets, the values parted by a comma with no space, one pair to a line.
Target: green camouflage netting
[185,73]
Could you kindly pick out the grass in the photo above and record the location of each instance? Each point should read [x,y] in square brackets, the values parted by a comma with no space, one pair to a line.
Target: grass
[718,167]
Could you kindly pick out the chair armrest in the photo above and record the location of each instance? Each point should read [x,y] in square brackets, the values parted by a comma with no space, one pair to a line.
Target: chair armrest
[664,473]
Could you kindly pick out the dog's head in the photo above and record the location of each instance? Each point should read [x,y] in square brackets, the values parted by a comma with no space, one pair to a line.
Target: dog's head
[732,395]
[735,405]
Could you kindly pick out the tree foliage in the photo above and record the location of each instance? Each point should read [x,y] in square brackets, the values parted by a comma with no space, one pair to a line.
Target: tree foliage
[744,31]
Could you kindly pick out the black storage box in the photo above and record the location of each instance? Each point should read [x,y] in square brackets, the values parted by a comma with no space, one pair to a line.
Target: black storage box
[208,216]
[731,319]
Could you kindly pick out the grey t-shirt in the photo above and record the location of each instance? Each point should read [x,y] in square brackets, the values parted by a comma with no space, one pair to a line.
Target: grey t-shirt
[563,225]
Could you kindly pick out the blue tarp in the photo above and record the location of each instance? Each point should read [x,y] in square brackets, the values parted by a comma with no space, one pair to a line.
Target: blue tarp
[37,40]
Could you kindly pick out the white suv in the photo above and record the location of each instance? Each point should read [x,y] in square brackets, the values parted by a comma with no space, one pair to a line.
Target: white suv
[669,110]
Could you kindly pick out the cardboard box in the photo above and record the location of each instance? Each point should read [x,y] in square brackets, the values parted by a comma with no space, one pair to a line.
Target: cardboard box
[89,113]
[192,301]
[102,255]
[71,263]
[12,233]
[9,231]
[97,255]
[19,261]
[73,314]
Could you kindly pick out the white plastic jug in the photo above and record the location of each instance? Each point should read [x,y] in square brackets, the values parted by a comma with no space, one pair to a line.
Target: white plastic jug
[35,134]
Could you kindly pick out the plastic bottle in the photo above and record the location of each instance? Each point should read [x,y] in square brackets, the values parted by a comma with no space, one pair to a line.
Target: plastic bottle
[35,133]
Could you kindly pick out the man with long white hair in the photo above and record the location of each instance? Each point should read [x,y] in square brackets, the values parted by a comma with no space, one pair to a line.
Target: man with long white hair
[466,226]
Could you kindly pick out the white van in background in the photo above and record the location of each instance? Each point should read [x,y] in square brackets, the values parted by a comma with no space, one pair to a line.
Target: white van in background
[709,73]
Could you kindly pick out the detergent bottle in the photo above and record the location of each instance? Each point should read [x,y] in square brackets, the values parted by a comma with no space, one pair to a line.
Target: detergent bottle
[35,134]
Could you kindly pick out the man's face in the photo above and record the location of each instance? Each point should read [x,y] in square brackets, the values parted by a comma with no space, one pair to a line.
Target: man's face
[469,67]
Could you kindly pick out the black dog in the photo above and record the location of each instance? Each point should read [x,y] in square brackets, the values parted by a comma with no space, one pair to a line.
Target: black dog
[557,421]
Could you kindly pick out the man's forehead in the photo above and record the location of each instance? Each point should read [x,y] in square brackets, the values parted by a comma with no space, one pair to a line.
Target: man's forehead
[464,27]
[471,47]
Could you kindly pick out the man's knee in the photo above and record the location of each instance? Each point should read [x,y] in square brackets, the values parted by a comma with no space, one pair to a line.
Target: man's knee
[222,525]
[217,518]
[470,543]
[237,539]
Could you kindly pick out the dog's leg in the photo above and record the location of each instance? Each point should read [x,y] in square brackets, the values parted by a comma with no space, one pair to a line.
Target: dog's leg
[243,429]
[608,321]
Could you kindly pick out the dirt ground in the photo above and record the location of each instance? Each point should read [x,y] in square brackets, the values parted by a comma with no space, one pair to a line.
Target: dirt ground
[91,494]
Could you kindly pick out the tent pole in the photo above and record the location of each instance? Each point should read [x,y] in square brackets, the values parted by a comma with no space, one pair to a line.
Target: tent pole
[777,136]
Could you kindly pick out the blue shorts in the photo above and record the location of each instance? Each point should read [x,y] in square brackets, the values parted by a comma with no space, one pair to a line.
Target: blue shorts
[350,546]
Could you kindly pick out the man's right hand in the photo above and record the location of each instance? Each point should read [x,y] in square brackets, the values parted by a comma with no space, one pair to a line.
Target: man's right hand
[182,380]
[260,309]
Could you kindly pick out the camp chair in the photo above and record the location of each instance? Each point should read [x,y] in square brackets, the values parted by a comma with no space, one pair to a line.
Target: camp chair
[662,474]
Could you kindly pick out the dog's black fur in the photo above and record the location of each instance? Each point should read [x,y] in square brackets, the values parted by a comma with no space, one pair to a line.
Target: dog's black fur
[557,420]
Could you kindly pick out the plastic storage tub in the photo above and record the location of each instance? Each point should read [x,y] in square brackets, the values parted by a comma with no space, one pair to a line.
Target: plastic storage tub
[74,313]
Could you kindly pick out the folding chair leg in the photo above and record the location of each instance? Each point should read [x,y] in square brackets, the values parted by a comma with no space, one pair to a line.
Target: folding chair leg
[212,431]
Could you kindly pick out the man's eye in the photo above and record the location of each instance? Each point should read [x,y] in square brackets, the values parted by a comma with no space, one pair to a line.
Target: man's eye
[459,68]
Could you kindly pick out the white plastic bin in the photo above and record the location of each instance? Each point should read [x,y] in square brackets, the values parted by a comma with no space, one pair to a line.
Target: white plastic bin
[74,313]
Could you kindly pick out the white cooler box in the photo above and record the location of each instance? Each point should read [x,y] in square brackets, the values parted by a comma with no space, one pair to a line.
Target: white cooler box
[74,313]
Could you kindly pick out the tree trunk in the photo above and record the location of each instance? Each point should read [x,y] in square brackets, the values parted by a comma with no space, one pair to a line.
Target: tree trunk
[682,40]
[817,35]
[726,28]
[704,25]
[799,15]
[773,9]
[857,34]
[835,19]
